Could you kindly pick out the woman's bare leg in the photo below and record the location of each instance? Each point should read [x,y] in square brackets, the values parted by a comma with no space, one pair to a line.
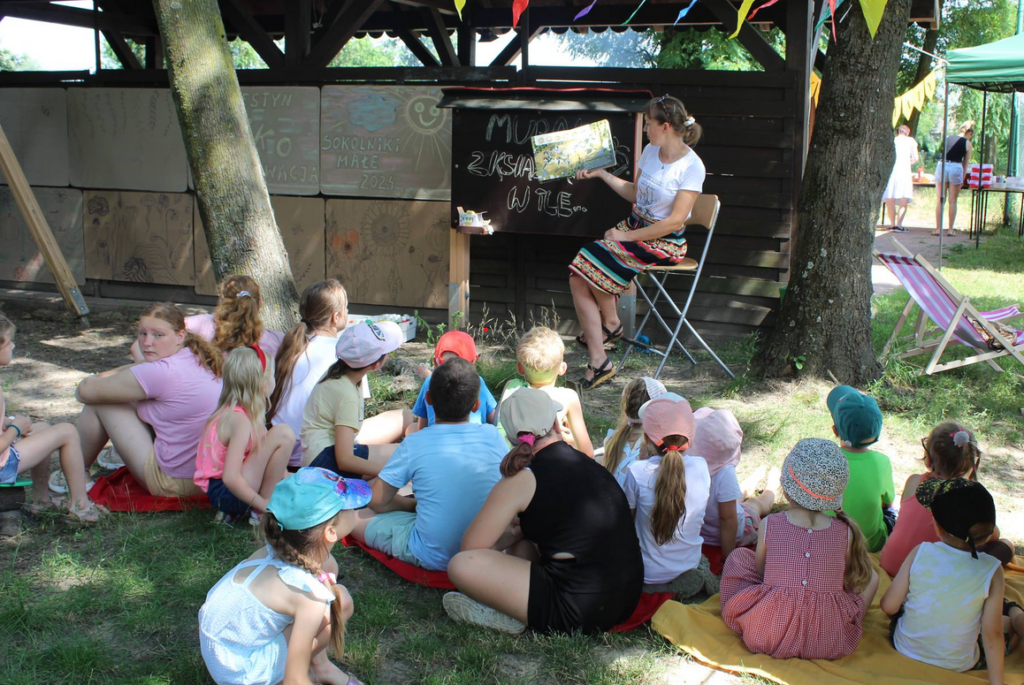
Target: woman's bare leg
[498,580]
[130,435]
[385,428]
[890,210]
[589,313]
[902,214]
[954,193]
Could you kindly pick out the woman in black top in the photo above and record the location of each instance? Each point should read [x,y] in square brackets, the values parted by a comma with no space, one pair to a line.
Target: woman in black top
[958,156]
[573,559]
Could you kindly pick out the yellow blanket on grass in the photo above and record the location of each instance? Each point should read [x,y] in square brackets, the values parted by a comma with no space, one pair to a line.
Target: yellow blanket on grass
[698,630]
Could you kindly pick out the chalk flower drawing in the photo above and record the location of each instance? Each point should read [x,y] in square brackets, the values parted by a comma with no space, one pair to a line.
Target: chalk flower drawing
[386,229]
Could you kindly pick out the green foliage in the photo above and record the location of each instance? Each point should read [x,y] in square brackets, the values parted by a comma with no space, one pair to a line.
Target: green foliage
[376,52]
[12,62]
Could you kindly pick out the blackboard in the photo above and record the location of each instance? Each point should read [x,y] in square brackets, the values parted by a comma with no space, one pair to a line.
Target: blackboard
[492,171]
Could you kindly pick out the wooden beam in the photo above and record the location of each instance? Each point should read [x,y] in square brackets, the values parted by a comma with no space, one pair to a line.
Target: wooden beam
[122,50]
[349,21]
[41,233]
[467,46]
[154,53]
[298,28]
[247,28]
[749,37]
[82,18]
[438,32]
[418,49]
[515,46]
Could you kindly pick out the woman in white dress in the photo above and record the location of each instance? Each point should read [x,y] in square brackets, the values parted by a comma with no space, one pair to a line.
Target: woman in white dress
[900,189]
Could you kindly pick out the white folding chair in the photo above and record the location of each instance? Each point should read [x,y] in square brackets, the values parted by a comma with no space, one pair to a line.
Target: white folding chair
[704,213]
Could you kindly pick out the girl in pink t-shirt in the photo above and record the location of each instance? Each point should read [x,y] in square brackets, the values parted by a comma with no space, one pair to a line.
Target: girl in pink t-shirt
[950,451]
[235,322]
[154,411]
[239,461]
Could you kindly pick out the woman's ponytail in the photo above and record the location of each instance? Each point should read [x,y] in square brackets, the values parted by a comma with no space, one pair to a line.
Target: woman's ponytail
[669,490]
[520,456]
[858,569]
[633,396]
[237,315]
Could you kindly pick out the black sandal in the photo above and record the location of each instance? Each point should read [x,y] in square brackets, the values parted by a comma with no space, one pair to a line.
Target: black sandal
[602,373]
[609,336]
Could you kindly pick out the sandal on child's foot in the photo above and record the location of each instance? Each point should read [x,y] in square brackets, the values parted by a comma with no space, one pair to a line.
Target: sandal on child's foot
[59,484]
[602,373]
[54,505]
[88,515]
[462,608]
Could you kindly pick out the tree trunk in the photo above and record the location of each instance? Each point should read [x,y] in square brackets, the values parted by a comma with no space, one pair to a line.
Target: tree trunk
[924,67]
[825,321]
[233,201]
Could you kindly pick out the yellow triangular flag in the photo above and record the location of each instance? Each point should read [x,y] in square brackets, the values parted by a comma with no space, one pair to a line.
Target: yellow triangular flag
[873,10]
[741,15]
[459,4]
[815,87]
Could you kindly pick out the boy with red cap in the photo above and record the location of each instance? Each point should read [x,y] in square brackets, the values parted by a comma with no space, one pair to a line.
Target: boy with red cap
[449,346]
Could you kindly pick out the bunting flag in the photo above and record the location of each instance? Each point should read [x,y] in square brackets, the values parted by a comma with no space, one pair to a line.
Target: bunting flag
[585,11]
[518,7]
[767,4]
[642,3]
[913,100]
[873,10]
[815,87]
[459,4]
[684,12]
[741,15]
[832,5]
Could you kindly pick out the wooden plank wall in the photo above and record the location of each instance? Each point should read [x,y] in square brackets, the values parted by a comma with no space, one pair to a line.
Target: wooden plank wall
[749,151]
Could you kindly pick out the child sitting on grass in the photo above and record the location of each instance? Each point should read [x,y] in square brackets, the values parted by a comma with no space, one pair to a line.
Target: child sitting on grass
[857,421]
[270,619]
[239,461]
[948,592]
[450,345]
[950,451]
[333,415]
[804,592]
[540,354]
[27,446]
[624,444]
[731,518]
[452,465]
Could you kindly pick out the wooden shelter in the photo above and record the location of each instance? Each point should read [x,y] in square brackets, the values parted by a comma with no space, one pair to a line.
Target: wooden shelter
[393,248]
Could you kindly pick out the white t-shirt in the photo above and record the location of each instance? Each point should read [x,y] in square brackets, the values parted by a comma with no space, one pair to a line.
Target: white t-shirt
[724,488]
[309,368]
[663,563]
[659,183]
[630,452]
[942,615]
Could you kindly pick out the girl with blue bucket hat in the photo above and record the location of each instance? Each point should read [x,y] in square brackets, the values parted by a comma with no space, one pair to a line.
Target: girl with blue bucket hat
[271,617]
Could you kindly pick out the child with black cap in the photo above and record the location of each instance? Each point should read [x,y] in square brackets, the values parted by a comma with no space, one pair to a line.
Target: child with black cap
[857,422]
[947,592]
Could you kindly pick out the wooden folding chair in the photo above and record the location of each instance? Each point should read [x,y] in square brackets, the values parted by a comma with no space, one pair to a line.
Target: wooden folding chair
[955,318]
[704,213]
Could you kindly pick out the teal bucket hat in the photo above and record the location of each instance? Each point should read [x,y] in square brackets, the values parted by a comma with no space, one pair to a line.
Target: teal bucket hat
[313,495]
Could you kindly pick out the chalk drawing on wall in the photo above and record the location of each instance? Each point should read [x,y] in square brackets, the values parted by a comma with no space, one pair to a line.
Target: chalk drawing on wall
[301,222]
[386,251]
[35,121]
[20,259]
[139,237]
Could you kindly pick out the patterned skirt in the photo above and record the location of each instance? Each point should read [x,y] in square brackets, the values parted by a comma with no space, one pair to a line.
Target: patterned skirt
[610,266]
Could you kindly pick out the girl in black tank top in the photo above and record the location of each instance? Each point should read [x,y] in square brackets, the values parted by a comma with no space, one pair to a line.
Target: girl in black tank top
[573,562]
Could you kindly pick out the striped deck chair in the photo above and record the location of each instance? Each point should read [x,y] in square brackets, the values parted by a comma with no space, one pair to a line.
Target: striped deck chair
[954,317]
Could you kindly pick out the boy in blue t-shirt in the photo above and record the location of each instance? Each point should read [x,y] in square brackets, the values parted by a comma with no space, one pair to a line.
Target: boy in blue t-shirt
[449,346]
[452,466]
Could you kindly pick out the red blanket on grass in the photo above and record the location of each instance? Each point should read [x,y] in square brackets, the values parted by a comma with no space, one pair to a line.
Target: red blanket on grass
[645,609]
[119,491]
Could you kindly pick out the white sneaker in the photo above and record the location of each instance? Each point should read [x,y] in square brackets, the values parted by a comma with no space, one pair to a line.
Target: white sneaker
[109,459]
[59,484]
[462,608]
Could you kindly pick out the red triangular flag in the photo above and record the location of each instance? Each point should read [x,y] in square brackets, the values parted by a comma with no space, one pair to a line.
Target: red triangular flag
[518,7]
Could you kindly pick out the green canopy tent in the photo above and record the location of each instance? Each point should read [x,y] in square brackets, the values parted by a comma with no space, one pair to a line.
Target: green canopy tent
[993,68]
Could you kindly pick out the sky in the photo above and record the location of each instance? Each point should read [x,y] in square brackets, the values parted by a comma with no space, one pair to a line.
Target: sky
[67,48]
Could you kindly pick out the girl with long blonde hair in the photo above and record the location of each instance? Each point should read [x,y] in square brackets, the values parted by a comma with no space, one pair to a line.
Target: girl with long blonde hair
[154,410]
[804,592]
[239,461]
[272,617]
[625,443]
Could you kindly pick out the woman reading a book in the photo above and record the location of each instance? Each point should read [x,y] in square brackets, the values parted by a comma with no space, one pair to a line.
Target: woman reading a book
[669,179]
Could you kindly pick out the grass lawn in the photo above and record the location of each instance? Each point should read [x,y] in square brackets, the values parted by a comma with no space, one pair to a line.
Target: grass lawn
[117,603]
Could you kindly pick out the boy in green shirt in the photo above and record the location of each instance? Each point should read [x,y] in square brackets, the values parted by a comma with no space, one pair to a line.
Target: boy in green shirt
[857,422]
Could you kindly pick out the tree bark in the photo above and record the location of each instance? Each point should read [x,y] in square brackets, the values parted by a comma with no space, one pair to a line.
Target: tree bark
[924,67]
[825,320]
[241,232]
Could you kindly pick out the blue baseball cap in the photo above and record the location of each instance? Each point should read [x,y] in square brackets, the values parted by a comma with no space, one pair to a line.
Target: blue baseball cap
[857,418]
[313,495]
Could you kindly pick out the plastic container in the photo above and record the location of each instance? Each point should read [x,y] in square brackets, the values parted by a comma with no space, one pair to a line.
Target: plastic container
[405,322]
